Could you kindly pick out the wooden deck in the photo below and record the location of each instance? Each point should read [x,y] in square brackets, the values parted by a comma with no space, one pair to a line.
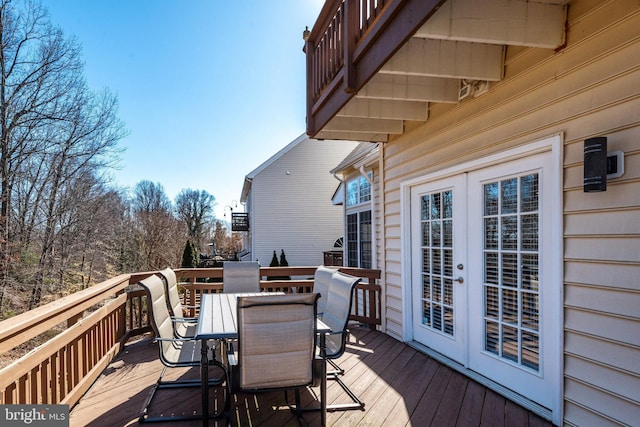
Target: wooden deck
[399,385]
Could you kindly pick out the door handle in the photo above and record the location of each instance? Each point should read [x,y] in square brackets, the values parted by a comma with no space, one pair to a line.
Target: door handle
[459,280]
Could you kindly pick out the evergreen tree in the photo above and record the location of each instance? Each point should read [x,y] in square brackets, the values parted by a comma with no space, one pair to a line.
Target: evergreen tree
[283,263]
[274,260]
[274,263]
[283,259]
[190,255]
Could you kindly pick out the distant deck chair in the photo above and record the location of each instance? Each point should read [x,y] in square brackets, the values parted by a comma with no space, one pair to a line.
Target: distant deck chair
[276,344]
[240,276]
[336,315]
[174,352]
[183,326]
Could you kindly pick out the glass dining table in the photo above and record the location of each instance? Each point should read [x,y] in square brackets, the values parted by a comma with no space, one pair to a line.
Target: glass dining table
[217,320]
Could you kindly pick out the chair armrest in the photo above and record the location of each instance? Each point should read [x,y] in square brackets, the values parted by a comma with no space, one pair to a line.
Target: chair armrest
[232,359]
[176,339]
[184,319]
[232,366]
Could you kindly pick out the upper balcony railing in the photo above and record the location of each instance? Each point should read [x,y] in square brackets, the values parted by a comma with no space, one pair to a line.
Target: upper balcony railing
[350,41]
[94,324]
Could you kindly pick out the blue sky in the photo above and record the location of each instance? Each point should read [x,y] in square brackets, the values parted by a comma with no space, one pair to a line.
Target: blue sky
[208,89]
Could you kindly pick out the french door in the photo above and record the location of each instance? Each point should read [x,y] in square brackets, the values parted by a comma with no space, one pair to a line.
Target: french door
[482,289]
[439,259]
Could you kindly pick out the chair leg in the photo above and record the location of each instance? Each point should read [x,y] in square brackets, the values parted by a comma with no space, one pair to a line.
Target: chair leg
[160,384]
[357,403]
[337,370]
[298,406]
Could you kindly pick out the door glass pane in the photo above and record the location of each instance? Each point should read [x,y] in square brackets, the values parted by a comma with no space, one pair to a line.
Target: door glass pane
[491,233]
[511,262]
[435,206]
[509,232]
[491,199]
[509,193]
[436,218]
[529,193]
[447,204]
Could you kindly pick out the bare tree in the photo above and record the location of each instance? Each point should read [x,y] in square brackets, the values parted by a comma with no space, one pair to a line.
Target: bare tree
[85,141]
[54,133]
[195,209]
[227,244]
[38,67]
[159,236]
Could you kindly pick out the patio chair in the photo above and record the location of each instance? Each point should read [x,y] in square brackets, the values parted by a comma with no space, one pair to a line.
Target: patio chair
[183,326]
[336,316]
[174,352]
[240,276]
[321,279]
[276,344]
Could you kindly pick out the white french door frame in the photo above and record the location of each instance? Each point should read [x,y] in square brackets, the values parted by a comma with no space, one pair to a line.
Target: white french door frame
[553,144]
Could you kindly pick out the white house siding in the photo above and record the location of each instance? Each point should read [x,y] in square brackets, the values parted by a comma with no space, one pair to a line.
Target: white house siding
[589,88]
[293,211]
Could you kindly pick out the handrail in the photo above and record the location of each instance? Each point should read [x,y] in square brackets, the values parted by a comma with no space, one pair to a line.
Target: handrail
[62,369]
[23,327]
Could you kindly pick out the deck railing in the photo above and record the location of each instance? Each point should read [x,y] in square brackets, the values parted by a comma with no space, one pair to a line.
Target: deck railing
[93,325]
[367,298]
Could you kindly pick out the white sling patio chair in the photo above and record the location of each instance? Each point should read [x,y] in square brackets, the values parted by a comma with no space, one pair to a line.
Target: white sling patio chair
[336,315]
[174,352]
[321,279]
[183,326]
[276,344]
[240,276]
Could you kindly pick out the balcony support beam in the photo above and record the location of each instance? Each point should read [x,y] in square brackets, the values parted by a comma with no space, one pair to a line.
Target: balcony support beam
[449,59]
[385,109]
[505,22]
[411,88]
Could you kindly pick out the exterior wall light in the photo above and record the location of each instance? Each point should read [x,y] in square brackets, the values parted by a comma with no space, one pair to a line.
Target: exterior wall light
[600,165]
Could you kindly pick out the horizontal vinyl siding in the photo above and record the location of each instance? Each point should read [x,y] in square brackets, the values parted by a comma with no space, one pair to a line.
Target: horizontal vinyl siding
[294,212]
[590,88]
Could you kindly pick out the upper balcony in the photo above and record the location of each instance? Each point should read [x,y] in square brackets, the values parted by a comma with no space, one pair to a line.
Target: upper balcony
[374,65]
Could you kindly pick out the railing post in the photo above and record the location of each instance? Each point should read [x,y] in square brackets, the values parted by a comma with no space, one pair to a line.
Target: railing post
[309,50]
[349,31]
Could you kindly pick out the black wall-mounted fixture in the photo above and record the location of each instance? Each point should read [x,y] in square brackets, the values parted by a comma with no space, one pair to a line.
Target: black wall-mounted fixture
[600,165]
[595,164]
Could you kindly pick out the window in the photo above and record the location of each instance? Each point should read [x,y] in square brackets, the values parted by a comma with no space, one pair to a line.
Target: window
[358,190]
[359,247]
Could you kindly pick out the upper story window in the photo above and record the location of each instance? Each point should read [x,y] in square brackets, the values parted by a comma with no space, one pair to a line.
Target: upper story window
[359,190]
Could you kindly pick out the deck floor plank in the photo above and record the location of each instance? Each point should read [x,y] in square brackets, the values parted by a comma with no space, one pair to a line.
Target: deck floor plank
[371,385]
[399,385]
[383,396]
[449,408]
[432,398]
[493,409]
[471,409]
